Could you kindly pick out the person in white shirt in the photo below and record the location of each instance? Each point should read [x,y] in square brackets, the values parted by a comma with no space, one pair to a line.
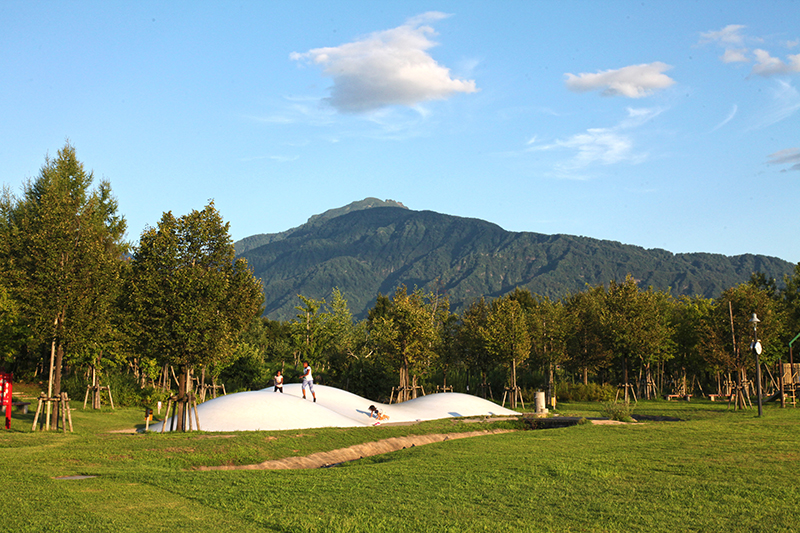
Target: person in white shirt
[278,382]
[308,381]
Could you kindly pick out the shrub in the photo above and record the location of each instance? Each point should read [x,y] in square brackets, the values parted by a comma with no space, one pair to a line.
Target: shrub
[578,392]
[618,411]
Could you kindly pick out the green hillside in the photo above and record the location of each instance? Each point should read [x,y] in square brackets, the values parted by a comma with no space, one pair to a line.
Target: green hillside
[363,251]
[254,241]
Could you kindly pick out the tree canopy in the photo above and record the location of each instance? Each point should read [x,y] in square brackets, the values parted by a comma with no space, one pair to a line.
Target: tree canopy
[61,251]
[187,298]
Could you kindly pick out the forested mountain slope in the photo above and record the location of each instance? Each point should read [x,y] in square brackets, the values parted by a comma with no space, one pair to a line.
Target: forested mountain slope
[365,251]
[254,241]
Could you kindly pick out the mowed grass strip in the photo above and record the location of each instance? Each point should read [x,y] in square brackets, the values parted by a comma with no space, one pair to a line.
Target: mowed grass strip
[716,470]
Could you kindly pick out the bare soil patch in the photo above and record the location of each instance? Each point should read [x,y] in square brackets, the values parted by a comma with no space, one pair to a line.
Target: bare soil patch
[353,453]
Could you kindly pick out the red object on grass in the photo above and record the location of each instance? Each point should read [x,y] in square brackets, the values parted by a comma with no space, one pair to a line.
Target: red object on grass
[6,379]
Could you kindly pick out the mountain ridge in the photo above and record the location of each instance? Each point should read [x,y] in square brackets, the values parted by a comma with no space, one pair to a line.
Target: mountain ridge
[371,247]
[254,241]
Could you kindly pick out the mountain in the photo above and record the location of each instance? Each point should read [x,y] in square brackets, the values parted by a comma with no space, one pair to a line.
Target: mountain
[254,241]
[371,246]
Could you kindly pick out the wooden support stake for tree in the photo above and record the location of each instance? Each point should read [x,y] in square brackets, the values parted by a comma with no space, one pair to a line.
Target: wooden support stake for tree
[69,411]
[63,407]
[38,411]
[196,415]
[86,398]
[166,416]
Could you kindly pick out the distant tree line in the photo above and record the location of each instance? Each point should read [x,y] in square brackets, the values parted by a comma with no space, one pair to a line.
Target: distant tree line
[176,314]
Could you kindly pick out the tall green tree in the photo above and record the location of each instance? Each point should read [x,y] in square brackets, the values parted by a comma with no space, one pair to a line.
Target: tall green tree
[550,326]
[187,296]
[307,330]
[406,331]
[689,314]
[62,248]
[636,325]
[12,332]
[790,296]
[728,333]
[352,364]
[507,338]
[588,349]
[472,343]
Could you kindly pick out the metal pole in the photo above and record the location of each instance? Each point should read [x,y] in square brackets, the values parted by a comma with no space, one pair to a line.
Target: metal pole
[758,366]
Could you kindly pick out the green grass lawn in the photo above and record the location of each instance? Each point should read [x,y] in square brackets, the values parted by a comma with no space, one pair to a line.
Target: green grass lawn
[716,470]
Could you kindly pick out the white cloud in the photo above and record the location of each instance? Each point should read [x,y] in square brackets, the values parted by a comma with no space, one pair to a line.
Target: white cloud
[601,146]
[785,103]
[598,145]
[789,156]
[634,81]
[766,65]
[730,116]
[735,56]
[390,67]
[731,38]
[728,35]
[638,116]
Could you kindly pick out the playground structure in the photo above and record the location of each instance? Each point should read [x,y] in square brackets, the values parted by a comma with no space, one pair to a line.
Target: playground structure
[790,382]
[789,377]
[266,410]
[783,385]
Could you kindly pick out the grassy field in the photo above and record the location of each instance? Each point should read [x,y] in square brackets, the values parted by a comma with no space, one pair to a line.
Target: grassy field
[715,470]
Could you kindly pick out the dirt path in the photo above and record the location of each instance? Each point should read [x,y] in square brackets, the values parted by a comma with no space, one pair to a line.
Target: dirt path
[358,451]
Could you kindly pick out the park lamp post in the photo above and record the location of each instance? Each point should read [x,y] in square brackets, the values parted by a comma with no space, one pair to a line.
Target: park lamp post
[756,348]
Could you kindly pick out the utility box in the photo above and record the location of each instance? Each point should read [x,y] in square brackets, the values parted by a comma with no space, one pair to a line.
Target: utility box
[538,403]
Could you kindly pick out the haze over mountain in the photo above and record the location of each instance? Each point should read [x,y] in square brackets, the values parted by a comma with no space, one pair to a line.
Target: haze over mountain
[373,246]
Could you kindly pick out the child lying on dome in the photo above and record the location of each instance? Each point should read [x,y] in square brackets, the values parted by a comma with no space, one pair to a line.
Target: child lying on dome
[374,412]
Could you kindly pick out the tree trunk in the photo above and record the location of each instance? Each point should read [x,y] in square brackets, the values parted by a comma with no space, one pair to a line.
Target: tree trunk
[625,377]
[514,383]
[402,393]
[57,382]
[180,408]
[95,389]
[551,385]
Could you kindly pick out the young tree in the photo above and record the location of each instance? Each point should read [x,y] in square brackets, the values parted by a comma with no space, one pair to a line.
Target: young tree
[728,333]
[689,314]
[12,332]
[508,338]
[62,250]
[588,348]
[187,297]
[406,330]
[549,324]
[307,330]
[636,325]
[348,351]
[471,342]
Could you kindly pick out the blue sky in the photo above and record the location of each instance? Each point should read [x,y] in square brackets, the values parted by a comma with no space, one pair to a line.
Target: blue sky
[671,125]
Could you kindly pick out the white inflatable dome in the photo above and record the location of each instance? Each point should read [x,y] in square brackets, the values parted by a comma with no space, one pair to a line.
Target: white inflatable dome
[265,410]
